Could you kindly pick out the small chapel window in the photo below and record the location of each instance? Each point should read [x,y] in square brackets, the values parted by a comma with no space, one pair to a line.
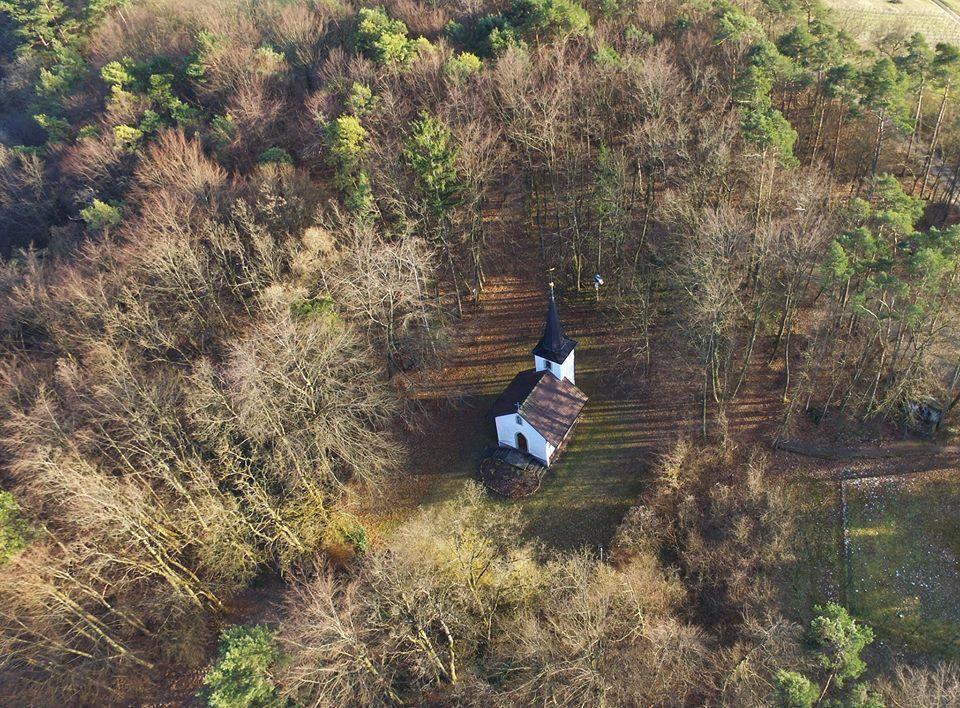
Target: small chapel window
[519,420]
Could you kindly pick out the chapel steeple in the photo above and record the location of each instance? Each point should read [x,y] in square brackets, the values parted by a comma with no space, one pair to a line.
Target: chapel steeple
[554,351]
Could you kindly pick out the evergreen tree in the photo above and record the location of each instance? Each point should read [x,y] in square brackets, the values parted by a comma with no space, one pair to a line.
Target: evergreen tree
[794,690]
[837,641]
[917,65]
[883,87]
[346,149]
[241,676]
[43,27]
[841,85]
[945,65]
[432,157]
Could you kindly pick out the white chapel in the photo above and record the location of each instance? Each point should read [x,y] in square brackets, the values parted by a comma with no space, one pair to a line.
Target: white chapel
[538,410]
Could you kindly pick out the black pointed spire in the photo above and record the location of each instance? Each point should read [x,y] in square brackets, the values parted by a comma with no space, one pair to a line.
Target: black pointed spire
[552,334]
[553,345]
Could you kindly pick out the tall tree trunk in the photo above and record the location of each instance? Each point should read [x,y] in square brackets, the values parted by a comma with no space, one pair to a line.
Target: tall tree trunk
[836,140]
[876,379]
[819,133]
[878,144]
[648,207]
[454,273]
[933,140]
[859,372]
[783,322]
[786,365]
[953,404]
[750,344]
[916,130]
[754,255]
[948,202]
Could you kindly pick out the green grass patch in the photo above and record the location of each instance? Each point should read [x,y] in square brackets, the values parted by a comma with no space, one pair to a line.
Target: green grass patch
[597,479]
[602,472]
[584,496]
[817,576]
[905,562]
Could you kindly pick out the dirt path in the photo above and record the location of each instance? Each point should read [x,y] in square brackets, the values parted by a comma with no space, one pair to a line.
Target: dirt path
[894,449]
[954,15]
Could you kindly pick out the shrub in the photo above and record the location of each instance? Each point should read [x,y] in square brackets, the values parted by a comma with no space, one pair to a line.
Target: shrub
[117,73]
[276,155]
[127,136]
[639,37]
[492,35]
[356,536]
[207,44]
[606,56]
[241,676]
[57,128]
[312,307]
[100,216]
[62,78]
[358,195]
[463,65]
[14,530]
[223,129]
[502,37]
[268,60]
[360,99]
[544,19]
[151,122]
[795,690]
[384,39]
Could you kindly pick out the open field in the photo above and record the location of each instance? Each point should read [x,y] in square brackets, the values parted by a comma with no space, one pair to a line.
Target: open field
[869,20]
[905,559]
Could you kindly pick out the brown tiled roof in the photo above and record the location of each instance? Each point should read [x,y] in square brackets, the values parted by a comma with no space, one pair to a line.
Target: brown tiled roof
[549,404]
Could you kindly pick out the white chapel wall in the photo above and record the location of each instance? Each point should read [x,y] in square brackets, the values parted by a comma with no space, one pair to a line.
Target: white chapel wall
[507,429]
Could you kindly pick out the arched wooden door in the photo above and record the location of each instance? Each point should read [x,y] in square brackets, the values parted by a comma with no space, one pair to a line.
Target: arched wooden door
[521,442]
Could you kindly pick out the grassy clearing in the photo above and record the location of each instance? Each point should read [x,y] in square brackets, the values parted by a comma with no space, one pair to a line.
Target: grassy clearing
[600,474]
[587,491]
[818,575]
[905,570]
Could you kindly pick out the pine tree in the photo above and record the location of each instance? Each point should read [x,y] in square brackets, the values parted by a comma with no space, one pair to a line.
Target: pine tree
[882,86]
[945,65]
[917,65]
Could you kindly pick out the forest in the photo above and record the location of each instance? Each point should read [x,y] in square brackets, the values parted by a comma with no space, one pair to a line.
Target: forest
[239,236]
